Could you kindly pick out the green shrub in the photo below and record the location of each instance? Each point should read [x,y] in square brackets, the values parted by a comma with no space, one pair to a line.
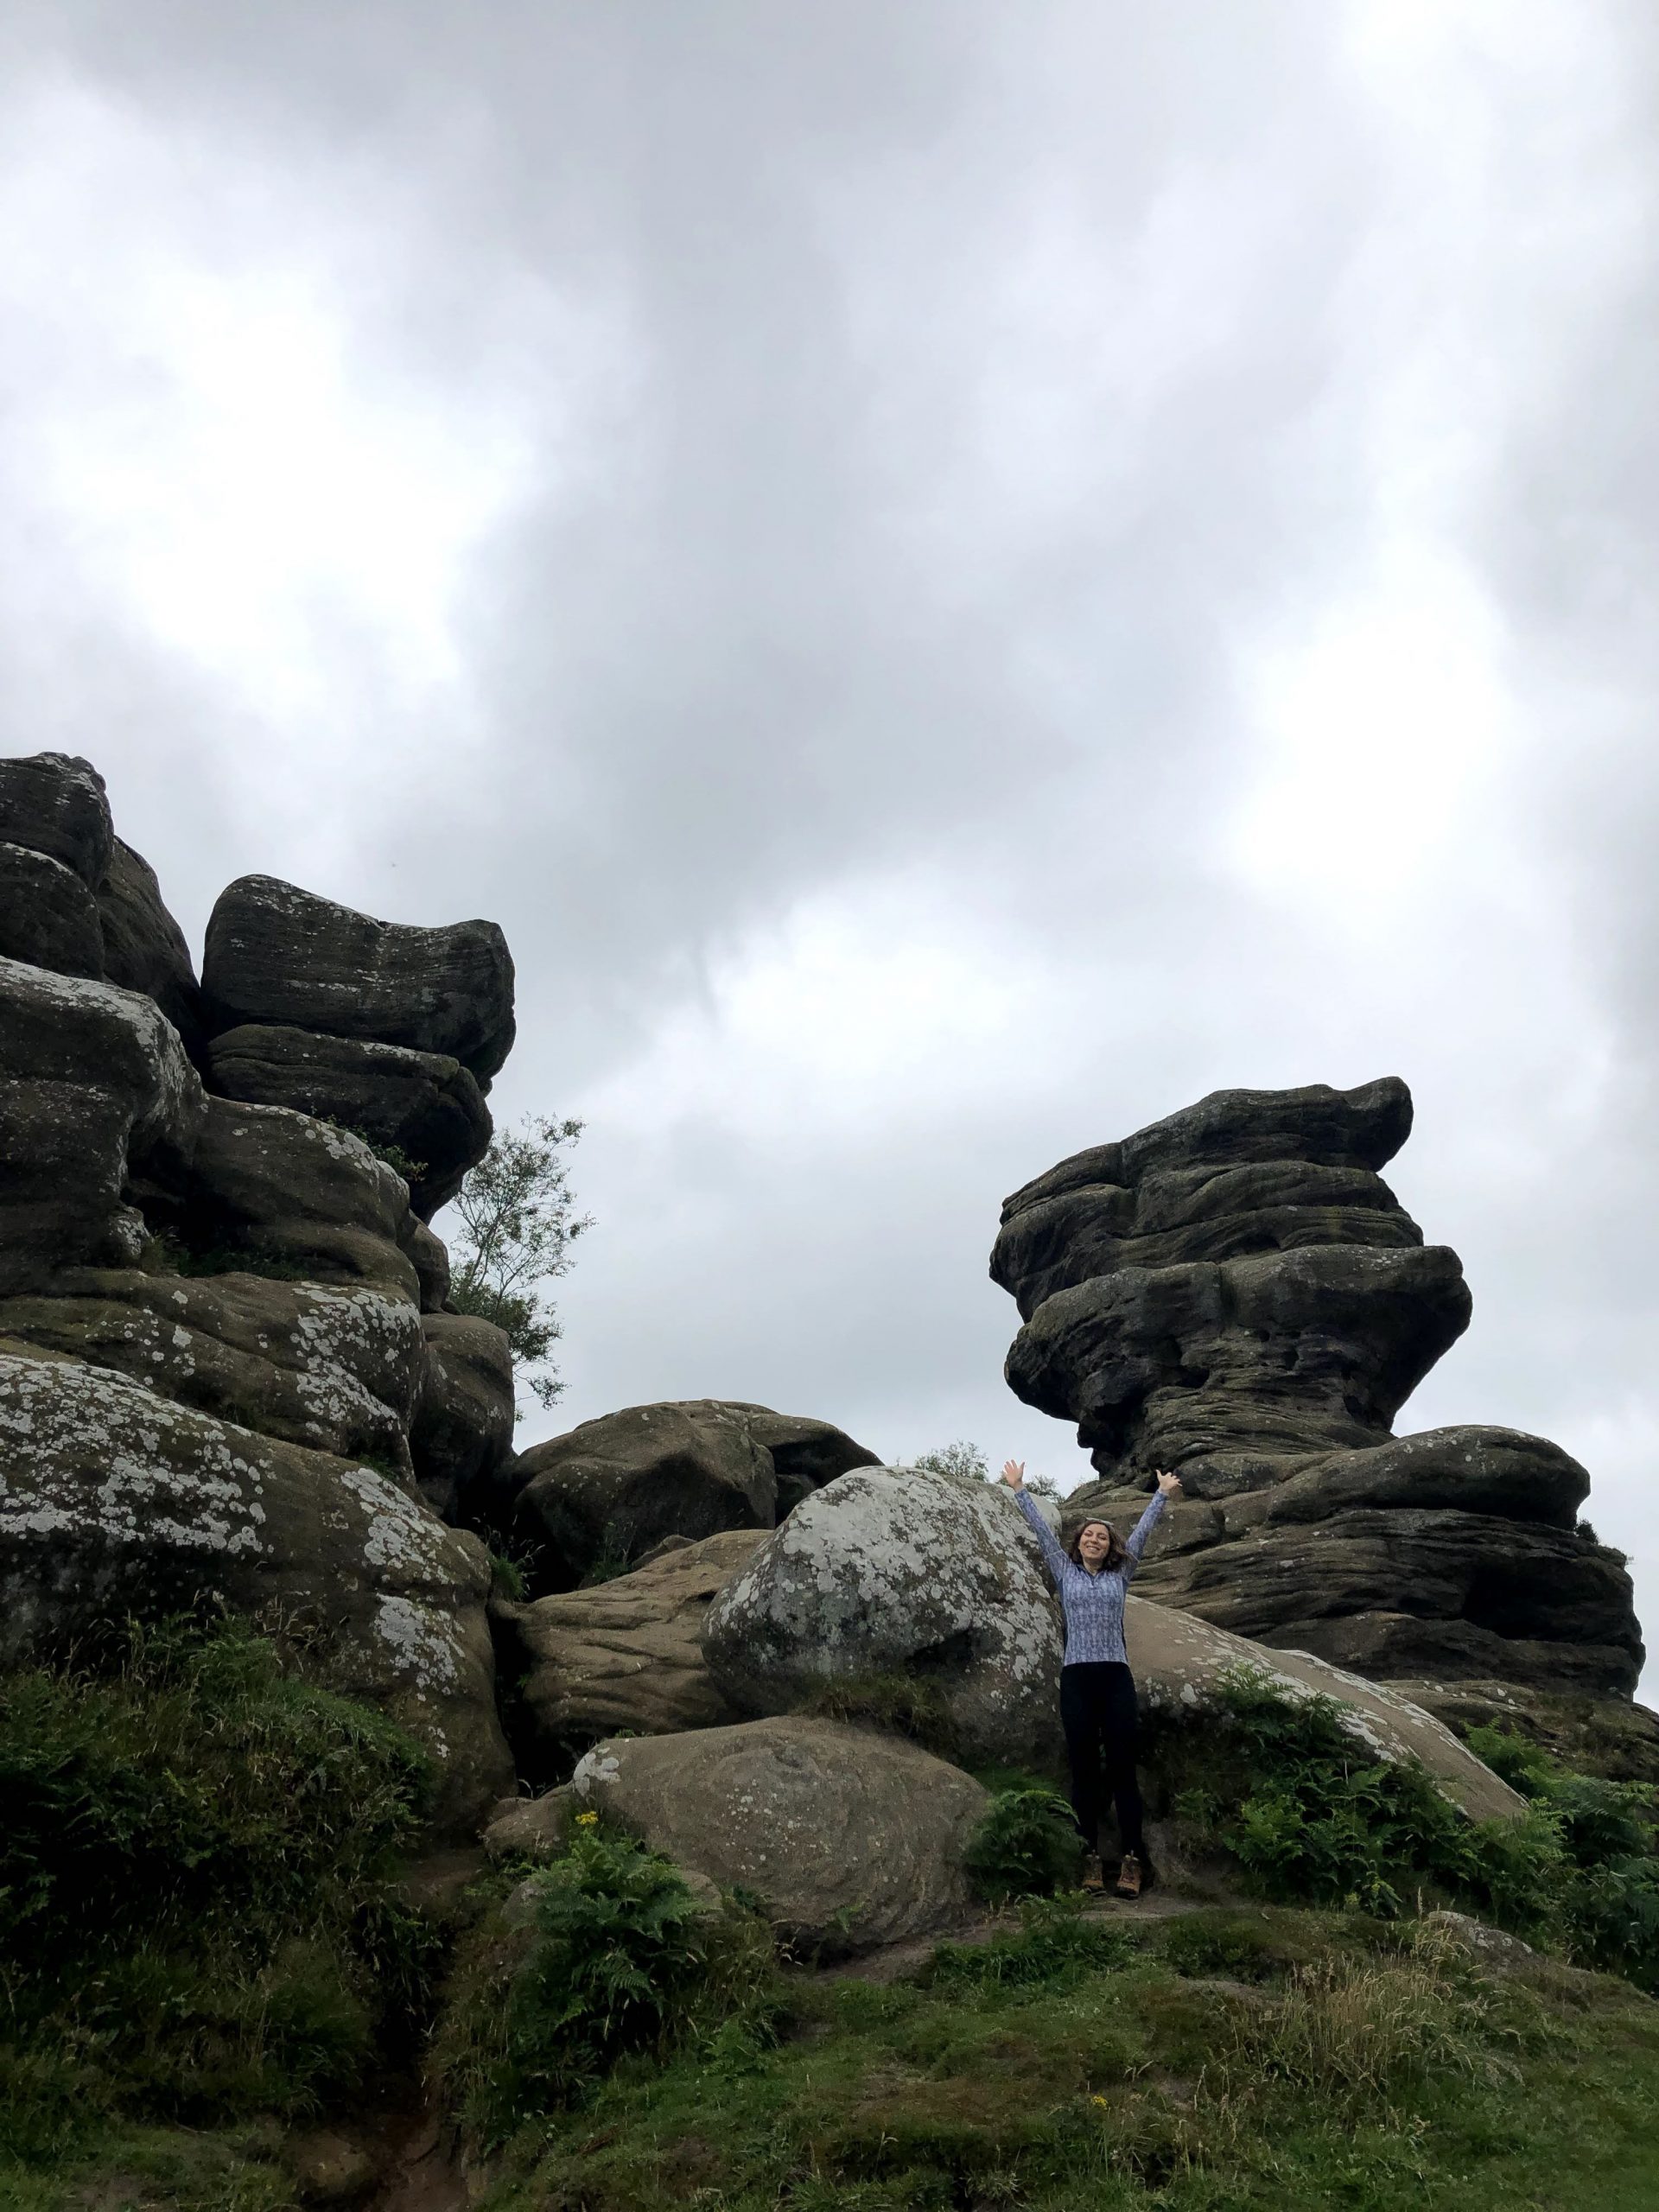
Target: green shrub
[911,1706]
[1025,1845]
[1220,1944]
[617,1957]
[196,1863]
[1303,1805]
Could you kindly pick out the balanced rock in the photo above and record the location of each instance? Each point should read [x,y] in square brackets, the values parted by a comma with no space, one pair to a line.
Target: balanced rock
[425,1104]
[1235,1293]
[849,1839]
[280,954]
[626,1654]
[613,1488]
[898,1571]
[114,1500]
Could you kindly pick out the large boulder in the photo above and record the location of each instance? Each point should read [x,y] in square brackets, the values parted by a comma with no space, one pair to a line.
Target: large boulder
[425,1104]
[276,954]
[98,1104]
[1606,1735]
[144,947]
[614,1487]
[56,804]
[848,1839]
[462,1435]
[47,916]
[1235,1293]
[114,1500]
[626,1654]
[895,1571]
[1182,1666]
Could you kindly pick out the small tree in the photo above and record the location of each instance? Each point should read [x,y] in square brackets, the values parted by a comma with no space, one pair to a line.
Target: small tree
[963,1462]
[518,1225]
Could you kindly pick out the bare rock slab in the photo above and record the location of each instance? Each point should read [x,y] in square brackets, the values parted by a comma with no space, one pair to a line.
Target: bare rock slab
[849,1839]
[898,1571]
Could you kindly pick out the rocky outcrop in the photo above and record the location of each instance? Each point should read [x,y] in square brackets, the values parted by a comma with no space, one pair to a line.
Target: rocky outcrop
[424,1105]
[280,954]
[219,1340]
[613,1488]
[1234,1292]
[626,1654]
[847,1840]
[114,1500]
[894,1571]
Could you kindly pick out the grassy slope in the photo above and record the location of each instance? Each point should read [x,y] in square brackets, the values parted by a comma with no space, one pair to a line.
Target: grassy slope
[1265,2060]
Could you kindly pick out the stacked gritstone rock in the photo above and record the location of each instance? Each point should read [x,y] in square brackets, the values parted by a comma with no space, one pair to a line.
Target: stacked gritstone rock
[225,1370]
[1235,1292]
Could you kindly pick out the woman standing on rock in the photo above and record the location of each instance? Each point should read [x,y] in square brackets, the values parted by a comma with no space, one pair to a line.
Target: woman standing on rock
[1097,1707]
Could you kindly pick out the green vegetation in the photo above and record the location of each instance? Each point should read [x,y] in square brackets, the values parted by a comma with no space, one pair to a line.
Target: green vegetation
[197,1911]
[395,1157]
[611,1955]
[1069,2067]
[1027,1844]
[518,1222]
[966,1463]
[911,1706]
[1303,1807]
[166,1254]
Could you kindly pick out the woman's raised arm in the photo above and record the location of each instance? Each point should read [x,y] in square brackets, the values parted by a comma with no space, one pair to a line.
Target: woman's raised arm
[1013,1474]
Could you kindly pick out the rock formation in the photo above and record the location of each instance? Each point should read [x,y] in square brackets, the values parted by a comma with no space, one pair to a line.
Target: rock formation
[611,1490]
[217,1378]
[895,1571]
[848,1839]
[1234,1292]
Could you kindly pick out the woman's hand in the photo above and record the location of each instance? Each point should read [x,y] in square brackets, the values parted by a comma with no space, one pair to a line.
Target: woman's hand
[1014,1473]
[1168,1483]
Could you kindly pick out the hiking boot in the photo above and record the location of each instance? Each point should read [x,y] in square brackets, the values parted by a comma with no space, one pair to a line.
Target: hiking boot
[1129,1875]
[1094,1878]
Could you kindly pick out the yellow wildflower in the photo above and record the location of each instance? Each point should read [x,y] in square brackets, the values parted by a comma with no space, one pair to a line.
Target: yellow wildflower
[587,1820]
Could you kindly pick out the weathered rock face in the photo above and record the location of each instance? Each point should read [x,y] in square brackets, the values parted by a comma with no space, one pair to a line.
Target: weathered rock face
[429,1106]
[616,1486]
[218,1328]
[54,804]
[278,954]
[112,1500]
[1235,1293]
[144,948]
[624,1654]
[96,1096]
[461,1436]
[895,1571]
[849,1839]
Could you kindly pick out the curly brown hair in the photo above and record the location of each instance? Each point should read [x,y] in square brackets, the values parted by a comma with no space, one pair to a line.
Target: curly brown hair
[1116,1550]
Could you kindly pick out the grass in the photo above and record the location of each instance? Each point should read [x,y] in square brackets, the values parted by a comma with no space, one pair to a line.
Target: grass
[198,1918]
[1349,2064]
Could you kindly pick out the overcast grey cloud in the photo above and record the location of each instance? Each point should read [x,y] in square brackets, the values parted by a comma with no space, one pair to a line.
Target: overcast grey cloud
[956,576]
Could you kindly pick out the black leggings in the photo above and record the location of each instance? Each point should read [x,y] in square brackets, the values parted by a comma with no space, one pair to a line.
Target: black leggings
[1097,1713]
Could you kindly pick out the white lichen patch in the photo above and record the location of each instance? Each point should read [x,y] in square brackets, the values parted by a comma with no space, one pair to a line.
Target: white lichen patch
[424,1643]
[401,1538]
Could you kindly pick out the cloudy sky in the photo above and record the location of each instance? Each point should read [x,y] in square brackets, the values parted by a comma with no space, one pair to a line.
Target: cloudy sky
[956,575]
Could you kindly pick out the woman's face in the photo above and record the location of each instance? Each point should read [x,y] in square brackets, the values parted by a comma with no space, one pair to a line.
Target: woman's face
[1094,1541]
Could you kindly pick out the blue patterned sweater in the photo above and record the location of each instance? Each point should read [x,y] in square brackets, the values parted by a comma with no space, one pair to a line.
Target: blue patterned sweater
[1093,1603]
